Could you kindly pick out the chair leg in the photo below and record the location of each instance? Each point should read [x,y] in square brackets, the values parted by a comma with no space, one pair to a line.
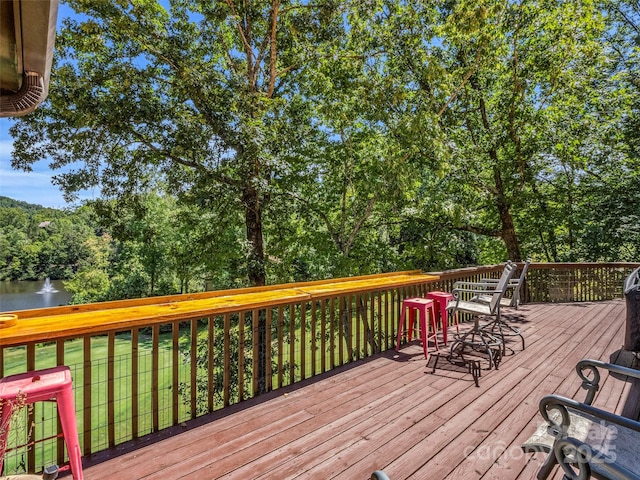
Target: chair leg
[463,342]
[67,412]
[500,324]
[433,323]
[547,466]
[400,328]
[6,409]
[485,342]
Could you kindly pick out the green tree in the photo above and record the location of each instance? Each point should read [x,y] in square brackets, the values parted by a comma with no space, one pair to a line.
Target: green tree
[476,88]
[42,242]
[203,93]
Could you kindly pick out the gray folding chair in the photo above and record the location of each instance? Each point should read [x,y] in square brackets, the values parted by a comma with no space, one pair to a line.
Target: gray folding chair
[478,338]
[514,284]
[504,328]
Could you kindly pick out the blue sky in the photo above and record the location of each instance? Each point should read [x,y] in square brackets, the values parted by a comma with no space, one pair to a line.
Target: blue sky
[33,187]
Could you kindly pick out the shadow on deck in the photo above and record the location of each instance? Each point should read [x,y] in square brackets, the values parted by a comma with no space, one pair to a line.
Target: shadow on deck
[390,412]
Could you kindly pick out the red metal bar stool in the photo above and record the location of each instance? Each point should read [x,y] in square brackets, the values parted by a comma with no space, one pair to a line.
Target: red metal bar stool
[39,386]
[441,299]
[425,307]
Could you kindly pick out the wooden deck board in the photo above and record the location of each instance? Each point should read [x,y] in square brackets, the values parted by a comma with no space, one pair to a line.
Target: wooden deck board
[390,412]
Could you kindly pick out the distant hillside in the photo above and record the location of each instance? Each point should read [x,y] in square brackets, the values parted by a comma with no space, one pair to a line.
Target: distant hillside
[6,202]
[38,242]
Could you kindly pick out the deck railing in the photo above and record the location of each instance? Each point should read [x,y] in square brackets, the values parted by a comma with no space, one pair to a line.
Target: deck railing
[140,366]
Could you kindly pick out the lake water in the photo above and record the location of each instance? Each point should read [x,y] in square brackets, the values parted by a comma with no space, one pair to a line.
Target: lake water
[23,295]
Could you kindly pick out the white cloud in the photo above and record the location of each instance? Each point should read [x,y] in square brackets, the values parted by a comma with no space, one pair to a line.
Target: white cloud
[5,149]
[33,187]
[24,179]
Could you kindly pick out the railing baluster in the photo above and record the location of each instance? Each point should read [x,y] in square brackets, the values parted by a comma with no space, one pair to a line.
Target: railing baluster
[211,385]
[194,367]
[303,340]
[379,316]
[31,415]
[387,329]
[341,335]
[135,381]
[323,333]
[268,340]
[86,402]
[399,298]
[155,363]
[375,339]
[280,346]
[226,380]
[313,338]
[175,372]
[241,321]
[255,336]
[59,440]
[332,332]
[111,412]
[357,305]
[292,344]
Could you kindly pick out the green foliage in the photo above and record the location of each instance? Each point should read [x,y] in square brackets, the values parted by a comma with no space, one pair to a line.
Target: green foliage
[240,143]
[87,286]
[42,242]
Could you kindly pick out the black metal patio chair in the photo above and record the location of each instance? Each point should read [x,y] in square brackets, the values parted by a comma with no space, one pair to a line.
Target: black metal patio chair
[479,338]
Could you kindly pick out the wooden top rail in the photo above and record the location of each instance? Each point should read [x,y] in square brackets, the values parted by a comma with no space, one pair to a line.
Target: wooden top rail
[581,265]
[469,271]
[46,324]
[135,302]
[74,321]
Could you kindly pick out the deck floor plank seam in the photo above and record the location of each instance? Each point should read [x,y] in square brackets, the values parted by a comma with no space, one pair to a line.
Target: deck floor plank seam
[389,411]
[453,408]
[500,405]
[552,384]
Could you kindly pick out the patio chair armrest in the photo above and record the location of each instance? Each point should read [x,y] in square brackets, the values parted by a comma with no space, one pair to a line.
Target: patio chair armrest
[483,286]
[577,446]
[560,403]
[586,463]
[588,372]
[512,283]
[379,475]
[475,292]
[471,290]
[457,291]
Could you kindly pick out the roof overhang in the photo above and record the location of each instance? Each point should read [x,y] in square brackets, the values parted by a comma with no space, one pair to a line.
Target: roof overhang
[27,37]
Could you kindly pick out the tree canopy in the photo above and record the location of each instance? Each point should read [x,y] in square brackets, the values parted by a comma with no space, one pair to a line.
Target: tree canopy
[286,140]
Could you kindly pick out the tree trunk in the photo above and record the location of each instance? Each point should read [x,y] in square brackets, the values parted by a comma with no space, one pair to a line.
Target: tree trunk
[506,221]
[509,233]
[256,273]
[253,222]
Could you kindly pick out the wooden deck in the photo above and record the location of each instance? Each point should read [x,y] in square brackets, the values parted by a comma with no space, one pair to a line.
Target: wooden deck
[390,412]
